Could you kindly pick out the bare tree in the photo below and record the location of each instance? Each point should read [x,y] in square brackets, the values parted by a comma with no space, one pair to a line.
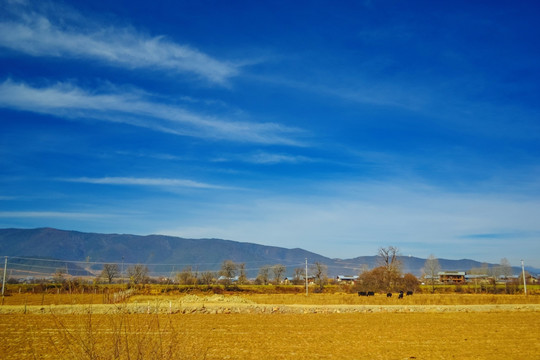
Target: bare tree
[431,270]
[228,270]
[298,277]
[389,260]
[506,268]
[485,269]
[207,277]
[264,275]
[388,257]
[320,273]
[279,271]
[505,271]
[109,272]
[242,277]
[186,276]
[138,274]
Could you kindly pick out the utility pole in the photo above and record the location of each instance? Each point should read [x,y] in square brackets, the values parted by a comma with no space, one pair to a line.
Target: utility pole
[306,280]
[4,280]
[524,280]
[122,272]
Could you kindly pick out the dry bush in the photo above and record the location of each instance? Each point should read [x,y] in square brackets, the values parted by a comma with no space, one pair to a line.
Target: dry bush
[122,336]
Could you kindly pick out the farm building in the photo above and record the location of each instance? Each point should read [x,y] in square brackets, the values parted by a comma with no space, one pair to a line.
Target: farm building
[452,277]
[347,279]
[477,278]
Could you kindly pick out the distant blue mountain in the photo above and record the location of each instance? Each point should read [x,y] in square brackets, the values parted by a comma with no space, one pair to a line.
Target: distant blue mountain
[86,252]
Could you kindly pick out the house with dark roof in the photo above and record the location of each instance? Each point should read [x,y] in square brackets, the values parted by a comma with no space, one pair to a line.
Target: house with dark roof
[451,277]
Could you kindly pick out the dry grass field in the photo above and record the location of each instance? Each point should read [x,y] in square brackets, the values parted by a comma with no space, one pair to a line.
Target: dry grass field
[54,299]
[326,326]
[491,335]
[299,299]
[378,299]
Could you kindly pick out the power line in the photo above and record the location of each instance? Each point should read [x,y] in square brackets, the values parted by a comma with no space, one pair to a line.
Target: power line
[48,267]
[148,264]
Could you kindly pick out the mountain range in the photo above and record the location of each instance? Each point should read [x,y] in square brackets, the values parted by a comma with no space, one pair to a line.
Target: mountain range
[45,250]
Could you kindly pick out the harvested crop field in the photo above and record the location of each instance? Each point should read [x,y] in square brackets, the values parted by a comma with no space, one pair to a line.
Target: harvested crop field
[276,327]
[480,335]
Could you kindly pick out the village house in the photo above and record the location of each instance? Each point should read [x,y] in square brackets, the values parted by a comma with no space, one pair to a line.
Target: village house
[451,277]
[348,279]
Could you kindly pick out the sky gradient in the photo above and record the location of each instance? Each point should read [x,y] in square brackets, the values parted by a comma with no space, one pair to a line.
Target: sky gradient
[336,128]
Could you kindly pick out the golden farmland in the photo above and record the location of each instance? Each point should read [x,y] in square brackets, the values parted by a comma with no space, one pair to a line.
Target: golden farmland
[259,326]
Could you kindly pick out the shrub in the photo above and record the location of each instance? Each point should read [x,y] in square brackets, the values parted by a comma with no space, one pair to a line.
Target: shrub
[124,336]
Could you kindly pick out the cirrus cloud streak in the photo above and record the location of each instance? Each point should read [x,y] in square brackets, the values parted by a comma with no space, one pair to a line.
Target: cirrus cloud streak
[135,108]
[144,182]
[43,33]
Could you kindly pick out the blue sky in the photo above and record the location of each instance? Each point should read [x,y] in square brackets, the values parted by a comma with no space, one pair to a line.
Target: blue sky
[334,127]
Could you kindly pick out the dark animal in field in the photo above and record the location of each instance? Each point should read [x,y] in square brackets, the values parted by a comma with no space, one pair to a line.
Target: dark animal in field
[362,293]
[409,293]
[389,295]
[370,293]
[400,295]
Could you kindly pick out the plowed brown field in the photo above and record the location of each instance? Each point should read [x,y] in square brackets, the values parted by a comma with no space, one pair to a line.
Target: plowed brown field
[481,335]
[237,329]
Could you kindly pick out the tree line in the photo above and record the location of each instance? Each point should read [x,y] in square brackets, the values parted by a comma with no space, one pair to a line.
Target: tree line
[385,277]
[230,272]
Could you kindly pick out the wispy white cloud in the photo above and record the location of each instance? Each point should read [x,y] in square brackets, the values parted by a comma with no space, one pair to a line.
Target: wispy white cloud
[138,109]
[151,155]
[272,158]
[62,32]
[160,182]
[267,158]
